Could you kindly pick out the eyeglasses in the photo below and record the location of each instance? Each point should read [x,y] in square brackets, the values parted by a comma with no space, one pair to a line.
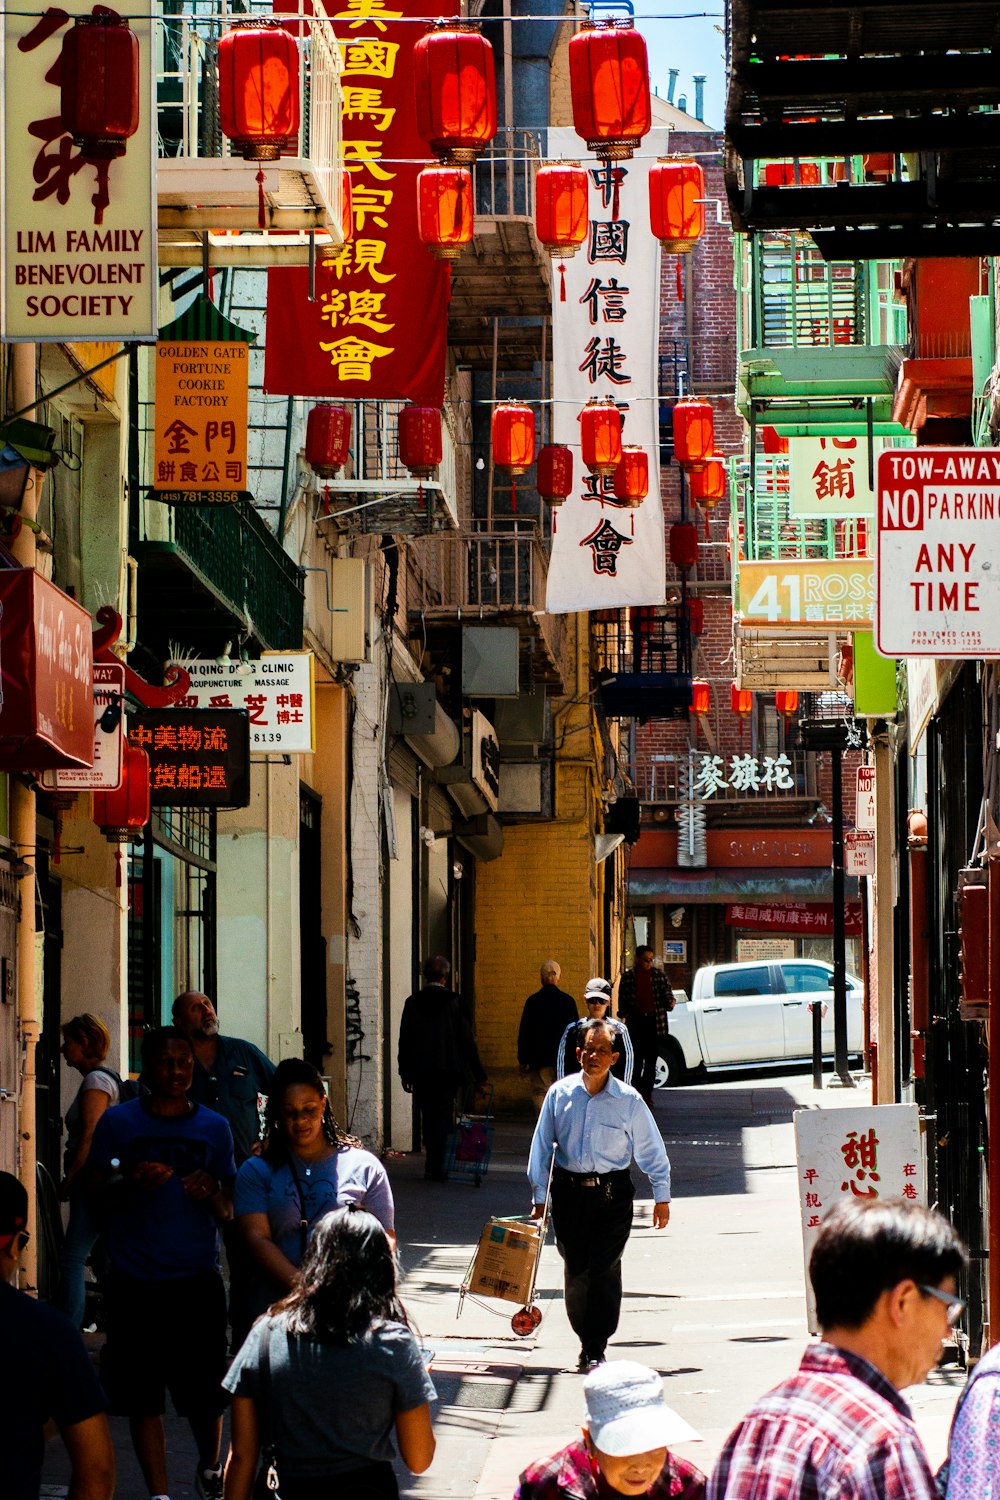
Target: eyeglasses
[955,1305]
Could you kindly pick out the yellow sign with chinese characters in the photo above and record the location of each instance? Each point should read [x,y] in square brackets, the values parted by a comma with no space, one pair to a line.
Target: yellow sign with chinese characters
[828,595]
[202,396]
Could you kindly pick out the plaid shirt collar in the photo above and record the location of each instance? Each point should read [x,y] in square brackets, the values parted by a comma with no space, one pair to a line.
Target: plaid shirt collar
[830,1359]
[569,1474]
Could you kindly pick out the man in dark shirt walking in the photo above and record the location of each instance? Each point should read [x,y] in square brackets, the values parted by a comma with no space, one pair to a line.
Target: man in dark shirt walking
[437,1051]
[645,1000]
[545,1016]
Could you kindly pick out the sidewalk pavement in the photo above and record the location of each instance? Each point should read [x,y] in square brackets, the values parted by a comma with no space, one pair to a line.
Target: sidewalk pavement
[715,1302]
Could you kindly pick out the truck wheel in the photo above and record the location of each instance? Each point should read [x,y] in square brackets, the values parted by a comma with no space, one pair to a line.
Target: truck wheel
[670,1068]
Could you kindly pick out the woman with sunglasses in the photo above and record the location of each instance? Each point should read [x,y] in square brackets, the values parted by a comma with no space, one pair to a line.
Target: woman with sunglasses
[326,1380]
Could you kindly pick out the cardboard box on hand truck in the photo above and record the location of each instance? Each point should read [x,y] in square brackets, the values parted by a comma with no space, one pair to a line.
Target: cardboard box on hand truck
[505,1261]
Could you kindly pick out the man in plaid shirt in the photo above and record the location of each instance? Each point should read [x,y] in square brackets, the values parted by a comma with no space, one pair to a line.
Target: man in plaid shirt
[884,1274]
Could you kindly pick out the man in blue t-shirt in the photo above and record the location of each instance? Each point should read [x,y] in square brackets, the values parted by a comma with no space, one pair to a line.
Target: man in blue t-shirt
[164,1168]
[50,1377]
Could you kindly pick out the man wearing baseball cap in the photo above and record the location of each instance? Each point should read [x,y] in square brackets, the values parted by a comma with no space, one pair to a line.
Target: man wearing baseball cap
[625,1448]
[51,1379]
[597,998]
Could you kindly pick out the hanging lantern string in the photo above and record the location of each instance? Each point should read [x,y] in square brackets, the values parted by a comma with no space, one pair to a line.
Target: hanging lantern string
[187,15]
[680,281]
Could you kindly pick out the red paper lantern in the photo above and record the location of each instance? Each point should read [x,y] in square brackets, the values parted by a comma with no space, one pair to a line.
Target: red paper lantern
[456,91]
[701,697]
[328,438]
[632,476]
[771,442]
[445,213]
[676,204]
[693,612]
[601,436]
[609,87]
[554,473]
[561,208]
[694,431]
[258,88]
[513,436]
[420,443]
[99,79]
[346,206]
[683,544]
[787,703]
[121,813]
[708,485]
[740,700]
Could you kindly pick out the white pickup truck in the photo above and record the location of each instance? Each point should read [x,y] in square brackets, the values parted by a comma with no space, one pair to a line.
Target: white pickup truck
[747,1014]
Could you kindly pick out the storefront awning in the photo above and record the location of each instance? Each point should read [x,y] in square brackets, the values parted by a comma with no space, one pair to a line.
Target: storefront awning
[711,886]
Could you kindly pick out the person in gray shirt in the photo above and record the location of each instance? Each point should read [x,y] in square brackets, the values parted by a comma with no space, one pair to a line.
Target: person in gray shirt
[331,1373]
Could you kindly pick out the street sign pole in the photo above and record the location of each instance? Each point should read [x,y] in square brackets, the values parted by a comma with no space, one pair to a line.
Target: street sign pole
[840,1065]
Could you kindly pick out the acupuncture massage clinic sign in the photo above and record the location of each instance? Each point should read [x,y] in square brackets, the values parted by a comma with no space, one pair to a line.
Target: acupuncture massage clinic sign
[79,237]
[938,568]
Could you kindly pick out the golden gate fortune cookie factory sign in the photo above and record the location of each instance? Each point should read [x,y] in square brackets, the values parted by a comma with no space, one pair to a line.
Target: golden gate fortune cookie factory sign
[79,238]
[202,396]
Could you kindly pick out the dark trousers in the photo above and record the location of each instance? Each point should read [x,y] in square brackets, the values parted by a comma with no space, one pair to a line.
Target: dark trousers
[646,1045]
[592,1227]
[374,1481]
[436,1102]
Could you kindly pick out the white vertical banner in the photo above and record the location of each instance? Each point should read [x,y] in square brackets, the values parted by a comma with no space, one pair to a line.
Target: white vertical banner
[605,342]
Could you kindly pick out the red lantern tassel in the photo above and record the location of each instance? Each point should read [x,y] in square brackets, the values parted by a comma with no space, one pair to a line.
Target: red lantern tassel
[118,868]
[555,522]
[707,533]
[562,282]
[680,281]
[513,495]
[261,204]
[631,521]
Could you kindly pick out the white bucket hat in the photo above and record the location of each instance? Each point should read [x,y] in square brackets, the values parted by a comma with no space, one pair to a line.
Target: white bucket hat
[626,1412]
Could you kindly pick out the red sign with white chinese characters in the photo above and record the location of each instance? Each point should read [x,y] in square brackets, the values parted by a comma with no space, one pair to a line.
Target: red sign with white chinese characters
[197,758]
[377,329]
[809,919]
[46,676]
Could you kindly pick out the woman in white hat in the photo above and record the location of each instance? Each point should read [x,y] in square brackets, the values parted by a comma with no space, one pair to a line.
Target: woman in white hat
[625,1447]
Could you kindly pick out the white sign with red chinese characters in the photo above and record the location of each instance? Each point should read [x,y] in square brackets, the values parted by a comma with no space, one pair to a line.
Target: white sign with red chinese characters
[859,852]
[79,238]
[864,809]
[829,476]
[605,342]
[874,1151]
[276,690]
[938,572]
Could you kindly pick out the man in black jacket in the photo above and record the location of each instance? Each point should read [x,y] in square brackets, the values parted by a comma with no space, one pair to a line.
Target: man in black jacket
[436,1052]
[545,1016]
[645,1001]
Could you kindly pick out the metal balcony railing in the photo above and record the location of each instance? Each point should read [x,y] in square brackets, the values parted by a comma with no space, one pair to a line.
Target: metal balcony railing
[504,175]
[187,100]
[798,300]
[664,779]
[643,640]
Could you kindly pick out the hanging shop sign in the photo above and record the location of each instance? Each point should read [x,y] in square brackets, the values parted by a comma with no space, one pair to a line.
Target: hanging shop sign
[197,757]
[744,773]
[484,766]
[79,237]
[864,807]
[859,1154]
[939,553]
[829,476]
[46,675]
[813,592]
[109,737]
[377,328]
[808,919]
[276,692]
[859,852]
[202,393]
[605,552]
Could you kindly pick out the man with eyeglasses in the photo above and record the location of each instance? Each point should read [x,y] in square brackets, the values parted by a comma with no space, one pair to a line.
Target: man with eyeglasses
[596,1125]
[51,1379]
[884,1275]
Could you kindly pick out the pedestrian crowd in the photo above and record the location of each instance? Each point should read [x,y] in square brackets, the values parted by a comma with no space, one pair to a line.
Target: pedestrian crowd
[222,1155]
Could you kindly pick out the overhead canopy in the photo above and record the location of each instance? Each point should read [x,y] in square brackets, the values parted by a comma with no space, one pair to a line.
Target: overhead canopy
[710,886]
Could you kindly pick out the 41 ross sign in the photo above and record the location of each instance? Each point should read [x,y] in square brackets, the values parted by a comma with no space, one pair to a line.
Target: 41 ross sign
[938,569]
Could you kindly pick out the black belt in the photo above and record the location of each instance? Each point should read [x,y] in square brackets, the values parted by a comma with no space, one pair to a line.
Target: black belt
[589,1179]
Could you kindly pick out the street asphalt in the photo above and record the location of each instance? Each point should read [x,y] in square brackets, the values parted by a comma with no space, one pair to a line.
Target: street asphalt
[715,1302]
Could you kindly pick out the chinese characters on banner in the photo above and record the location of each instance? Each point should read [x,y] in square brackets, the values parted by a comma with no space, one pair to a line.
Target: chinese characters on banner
[202,395]
[829,476]
[276,692]
[79,239]
[378,327]
[604,343]
[197,758]
[873,1152]
[808,919]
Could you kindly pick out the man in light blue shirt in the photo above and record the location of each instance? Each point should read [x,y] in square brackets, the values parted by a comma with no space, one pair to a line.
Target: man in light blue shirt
[597,1125]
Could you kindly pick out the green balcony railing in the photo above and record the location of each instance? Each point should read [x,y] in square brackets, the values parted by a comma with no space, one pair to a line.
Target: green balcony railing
[239,554]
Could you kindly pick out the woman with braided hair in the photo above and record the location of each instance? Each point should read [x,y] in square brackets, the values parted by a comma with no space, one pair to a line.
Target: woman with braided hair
[308,1166]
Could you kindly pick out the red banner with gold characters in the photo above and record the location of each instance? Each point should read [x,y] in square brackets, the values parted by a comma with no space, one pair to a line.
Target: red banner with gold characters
[378,327]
